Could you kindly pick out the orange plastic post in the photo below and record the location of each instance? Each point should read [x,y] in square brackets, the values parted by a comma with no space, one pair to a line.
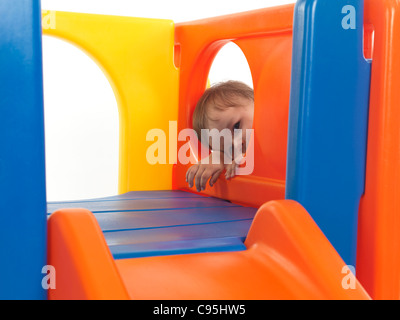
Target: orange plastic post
[378,255]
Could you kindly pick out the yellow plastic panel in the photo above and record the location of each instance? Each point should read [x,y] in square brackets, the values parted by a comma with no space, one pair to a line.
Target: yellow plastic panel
[136,55]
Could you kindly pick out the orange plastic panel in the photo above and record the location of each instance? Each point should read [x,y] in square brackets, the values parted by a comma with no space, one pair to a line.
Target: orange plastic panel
[378,255]
[85,268]
[265,37]
[288,257]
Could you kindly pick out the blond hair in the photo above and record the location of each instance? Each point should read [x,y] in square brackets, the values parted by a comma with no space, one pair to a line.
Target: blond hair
[219,96]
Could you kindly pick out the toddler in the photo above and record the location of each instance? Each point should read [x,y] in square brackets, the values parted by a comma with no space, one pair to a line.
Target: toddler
[223,107]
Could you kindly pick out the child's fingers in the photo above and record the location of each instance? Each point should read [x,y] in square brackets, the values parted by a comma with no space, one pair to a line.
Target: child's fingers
[228,172]
[208,174]
[215,177]
[233,171]
[197,178]
[203,180]
[190,174]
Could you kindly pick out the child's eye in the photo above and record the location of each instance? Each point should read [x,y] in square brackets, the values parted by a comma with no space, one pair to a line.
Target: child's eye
[237,125]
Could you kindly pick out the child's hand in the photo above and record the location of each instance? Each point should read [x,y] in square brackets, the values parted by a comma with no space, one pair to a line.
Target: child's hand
[201,172]
[230,170]
[231,167]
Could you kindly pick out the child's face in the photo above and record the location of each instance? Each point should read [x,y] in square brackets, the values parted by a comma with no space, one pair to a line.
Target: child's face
[238,117]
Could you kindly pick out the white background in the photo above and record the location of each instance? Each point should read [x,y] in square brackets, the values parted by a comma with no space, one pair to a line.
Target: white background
[81,114]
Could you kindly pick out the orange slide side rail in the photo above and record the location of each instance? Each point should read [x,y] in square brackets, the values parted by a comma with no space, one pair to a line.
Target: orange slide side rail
[85,268]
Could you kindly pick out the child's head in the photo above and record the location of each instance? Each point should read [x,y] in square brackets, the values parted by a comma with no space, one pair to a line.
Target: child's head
[226,105]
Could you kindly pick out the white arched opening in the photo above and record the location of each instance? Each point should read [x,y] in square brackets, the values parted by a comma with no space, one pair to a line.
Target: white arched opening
[81,125]
[230,63]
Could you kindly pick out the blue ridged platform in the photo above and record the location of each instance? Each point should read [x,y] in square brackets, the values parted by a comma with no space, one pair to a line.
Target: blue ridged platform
[152,223]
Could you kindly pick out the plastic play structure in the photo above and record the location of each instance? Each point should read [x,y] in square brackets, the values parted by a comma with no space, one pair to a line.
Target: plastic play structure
[323,196]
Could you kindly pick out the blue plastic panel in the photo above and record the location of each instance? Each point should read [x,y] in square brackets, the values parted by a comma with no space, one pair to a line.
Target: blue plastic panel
[156,194]
[142,204]
[22,156]
[161,218]
[328,117]
[138,250]
[152,223]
